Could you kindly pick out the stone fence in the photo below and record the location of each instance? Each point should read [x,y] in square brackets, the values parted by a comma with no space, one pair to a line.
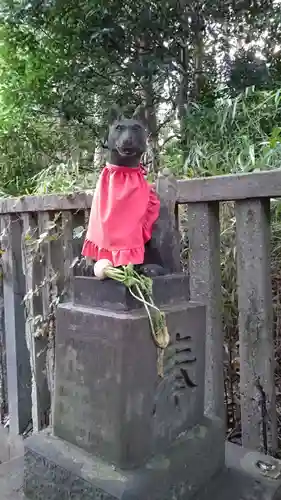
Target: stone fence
[41,239]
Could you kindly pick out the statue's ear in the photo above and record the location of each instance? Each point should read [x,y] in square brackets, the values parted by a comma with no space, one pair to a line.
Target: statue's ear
[114,114]
[140,115]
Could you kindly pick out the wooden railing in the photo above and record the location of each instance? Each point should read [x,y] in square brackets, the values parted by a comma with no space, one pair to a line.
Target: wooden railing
[251,193]
[42,236]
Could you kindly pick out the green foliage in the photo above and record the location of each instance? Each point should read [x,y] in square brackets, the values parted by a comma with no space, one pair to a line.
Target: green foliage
[240,134]
[63,64]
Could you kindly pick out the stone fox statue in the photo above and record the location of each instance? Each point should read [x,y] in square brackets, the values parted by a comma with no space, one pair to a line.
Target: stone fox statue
[125,206]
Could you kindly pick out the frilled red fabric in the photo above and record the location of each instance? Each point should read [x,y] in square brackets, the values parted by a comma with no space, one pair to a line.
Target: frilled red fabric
[124,209]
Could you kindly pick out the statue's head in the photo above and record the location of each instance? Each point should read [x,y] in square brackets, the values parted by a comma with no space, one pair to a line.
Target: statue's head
[127,138]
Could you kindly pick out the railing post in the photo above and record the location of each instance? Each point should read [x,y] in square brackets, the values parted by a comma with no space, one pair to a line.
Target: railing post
[255,325]
[37,344]
[18,365]
[3,364]
[166,237]
[48,294]
[56,258]
[67,251]
[205,286]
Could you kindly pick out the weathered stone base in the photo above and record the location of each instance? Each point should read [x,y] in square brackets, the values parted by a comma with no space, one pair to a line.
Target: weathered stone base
[11,445]
[242,479]
[233,485]
[56,470]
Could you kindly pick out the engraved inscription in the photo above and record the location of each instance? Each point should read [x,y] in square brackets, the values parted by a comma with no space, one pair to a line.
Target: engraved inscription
[183,360]
[176,396]
[177,362]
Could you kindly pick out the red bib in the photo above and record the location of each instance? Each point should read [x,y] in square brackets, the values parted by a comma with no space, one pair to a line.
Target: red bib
[124,209]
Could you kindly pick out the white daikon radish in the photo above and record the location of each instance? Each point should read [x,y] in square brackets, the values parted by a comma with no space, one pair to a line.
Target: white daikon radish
[100,268]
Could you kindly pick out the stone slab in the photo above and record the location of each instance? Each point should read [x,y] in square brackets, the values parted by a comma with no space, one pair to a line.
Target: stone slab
[108,294]
[242,480]
[230,187]
[107,387]
[56,470]
[233,483]
[11,479]
[245,461]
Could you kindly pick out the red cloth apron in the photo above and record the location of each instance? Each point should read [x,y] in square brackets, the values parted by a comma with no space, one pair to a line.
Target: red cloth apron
[124,209]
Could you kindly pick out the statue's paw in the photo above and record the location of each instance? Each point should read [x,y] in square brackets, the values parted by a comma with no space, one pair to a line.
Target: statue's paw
[153,270]
[84,267]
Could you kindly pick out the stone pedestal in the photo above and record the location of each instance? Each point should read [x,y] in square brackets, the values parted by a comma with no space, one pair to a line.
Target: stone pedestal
[120,431]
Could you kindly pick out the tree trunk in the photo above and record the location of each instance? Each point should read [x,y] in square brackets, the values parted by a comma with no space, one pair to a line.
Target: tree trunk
[192,42]
[198,30]
[149,101]
[184,58]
